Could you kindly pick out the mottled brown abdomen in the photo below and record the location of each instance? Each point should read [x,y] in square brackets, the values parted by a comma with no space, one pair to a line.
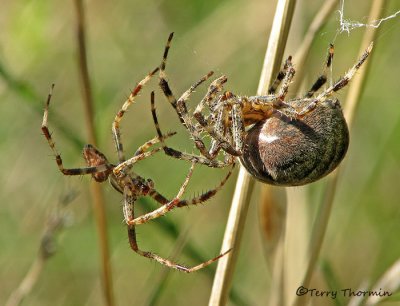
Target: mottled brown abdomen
[292,152]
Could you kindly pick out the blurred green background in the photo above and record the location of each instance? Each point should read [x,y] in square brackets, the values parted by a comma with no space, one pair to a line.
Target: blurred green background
[125,41]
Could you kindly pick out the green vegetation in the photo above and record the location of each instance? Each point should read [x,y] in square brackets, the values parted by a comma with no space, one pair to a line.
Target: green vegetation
[125,41]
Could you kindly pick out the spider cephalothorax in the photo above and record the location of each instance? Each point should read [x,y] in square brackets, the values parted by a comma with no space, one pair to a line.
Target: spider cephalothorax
[94,158]
[280,142]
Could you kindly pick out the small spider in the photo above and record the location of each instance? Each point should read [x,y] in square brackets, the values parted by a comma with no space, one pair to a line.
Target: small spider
[288,142]
[131,185]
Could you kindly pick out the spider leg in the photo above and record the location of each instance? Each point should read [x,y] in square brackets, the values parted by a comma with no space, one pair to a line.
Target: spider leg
[348,76]
[213,90]
[219,127]
[216,119]
[129,162]
[163,80]
[185,118]
[221,140]
[227,131]
[215,124]
[281,74]
[47,134]
[207,195]
[181,155]
[286,80]
[152,142]
[342,82]
[237,125]
[231,126]
[131,99]
[322,78]
[129,201]
[166,207]
[166,262]
[181,109]
[217,131]
[180,105]
[177,202]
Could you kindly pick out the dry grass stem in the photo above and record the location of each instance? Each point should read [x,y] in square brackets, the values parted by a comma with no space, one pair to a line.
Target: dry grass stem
[352,100]
[390,282]
[96,192]
[272,217]
[273,201]
[301,55]
[357,300]
[55,223]
[232,236]
[27,283]
[245,184]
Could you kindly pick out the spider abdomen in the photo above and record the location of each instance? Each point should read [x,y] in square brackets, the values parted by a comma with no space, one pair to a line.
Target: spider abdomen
[291,152]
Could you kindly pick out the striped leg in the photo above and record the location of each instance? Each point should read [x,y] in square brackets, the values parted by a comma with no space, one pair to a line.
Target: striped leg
[166,262]
[322,78]
[163,79]
[177,202]
[179,105]
[66,171]
[185,118]
[342,82]
[210,98]
[218,120]
[131,161]
[213,130]
[281,74]
[166,207]
[182,155]
[286,80]
[121,112]
[181,109]
[223,141]
[152,142]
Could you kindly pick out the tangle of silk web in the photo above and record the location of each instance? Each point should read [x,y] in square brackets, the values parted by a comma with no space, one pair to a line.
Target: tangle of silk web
[347,25]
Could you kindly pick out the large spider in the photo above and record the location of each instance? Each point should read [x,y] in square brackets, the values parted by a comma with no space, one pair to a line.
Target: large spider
[288,142]
[131,185]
